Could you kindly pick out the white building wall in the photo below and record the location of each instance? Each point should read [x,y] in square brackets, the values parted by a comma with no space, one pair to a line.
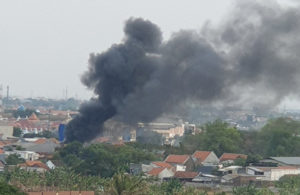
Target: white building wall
[211,159]
[166,173]
[7,131]
[180,168]
[277,173]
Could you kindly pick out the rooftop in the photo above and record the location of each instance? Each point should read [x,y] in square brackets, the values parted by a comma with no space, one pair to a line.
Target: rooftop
[178,159]
[162,164]
[287,160]
[232,156]
[185,174]
[156,171]
[201,155]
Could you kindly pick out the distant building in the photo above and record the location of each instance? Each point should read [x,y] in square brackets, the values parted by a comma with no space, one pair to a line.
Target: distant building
[167,130]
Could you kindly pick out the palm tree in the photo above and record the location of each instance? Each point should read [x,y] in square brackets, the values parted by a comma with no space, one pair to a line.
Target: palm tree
[124,184]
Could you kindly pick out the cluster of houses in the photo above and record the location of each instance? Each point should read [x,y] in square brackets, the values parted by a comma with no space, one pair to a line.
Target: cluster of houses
[206,167]
[35,152]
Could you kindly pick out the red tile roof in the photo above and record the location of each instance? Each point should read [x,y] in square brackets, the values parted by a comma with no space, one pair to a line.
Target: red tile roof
[178,159]
[41,141]
[185,174]
[34,164]
[162,164]
[156,171]
[201,155]
[33,117]
[232,156]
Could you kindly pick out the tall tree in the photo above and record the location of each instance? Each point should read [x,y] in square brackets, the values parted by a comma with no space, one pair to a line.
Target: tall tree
[220,137]
[279,137]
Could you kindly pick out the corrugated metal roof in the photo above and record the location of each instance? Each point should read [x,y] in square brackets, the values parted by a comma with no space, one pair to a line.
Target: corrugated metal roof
[287,160]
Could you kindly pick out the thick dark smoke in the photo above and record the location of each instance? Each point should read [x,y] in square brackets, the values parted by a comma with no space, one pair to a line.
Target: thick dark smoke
[251,59]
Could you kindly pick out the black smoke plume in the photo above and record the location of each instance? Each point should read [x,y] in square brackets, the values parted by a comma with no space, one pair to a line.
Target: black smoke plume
[252,58]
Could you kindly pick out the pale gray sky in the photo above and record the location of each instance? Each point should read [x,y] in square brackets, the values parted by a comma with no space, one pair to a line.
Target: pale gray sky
[45,45]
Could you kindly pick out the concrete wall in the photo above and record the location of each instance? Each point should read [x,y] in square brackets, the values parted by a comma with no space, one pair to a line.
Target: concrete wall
[166,173]
[212,159]
[277,173]
[7,131]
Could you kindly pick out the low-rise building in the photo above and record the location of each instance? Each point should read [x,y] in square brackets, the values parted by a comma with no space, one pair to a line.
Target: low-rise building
[272,173]
[27,155]
[37,166]
[161,172]
[229,158]
[187,176]
[181,162]
[205,158]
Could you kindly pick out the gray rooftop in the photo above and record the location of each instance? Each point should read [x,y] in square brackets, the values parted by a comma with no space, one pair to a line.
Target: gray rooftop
[287,160]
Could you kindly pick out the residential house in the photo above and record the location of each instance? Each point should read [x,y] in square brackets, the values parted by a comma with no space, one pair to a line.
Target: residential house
[27,155]
[229,158]
[185,175]
[205,178]
[161,164]
[205,158]
[231,170]
[139,168]
[161,172]
[181,162]
[37,166]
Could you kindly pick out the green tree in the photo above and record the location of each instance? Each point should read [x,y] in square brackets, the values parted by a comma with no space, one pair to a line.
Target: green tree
[14,159]
[279,137]
[17,132]
[6,189]
[102,159]
[171,187]
[220,137]
[251,190]
[124,184]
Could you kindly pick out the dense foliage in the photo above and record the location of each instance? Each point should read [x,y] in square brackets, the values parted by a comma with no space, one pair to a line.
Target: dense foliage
[56,179]
[279,137]
[102,159]
[217,136]
[14,159]
[6,189]
[17,132]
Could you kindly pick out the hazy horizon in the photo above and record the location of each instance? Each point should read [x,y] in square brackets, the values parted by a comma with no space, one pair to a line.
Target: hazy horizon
[46,45]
